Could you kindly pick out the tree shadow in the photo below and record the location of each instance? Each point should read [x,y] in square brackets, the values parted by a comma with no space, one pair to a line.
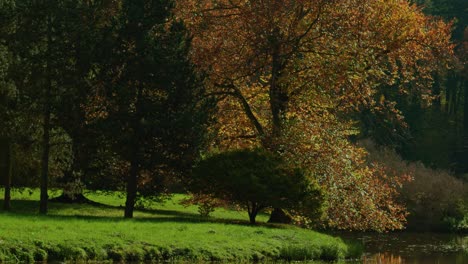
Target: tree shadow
[29,208]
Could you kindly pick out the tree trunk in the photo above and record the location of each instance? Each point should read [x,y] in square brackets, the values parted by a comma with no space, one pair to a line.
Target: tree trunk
[278,98]
[437,91]
[69,177]
[447,98]
[253,211]
[46,126]
[465,110]
[452,85]
[464,159]
[6,171]
[278,101]
[45,158]
[135,161]
[252,216]
[131,189]
[279,216]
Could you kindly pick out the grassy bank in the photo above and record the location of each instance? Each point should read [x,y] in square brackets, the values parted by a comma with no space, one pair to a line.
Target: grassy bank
[166,231]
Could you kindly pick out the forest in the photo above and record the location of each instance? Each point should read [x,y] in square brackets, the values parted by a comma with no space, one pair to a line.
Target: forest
[344,115]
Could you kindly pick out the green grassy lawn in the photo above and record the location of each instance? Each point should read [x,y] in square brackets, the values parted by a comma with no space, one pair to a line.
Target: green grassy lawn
[165,231]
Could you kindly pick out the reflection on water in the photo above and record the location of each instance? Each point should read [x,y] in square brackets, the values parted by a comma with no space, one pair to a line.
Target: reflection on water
[389,258]
[413,248]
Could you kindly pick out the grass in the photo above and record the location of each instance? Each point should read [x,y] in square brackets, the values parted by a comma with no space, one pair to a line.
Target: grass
[164,232]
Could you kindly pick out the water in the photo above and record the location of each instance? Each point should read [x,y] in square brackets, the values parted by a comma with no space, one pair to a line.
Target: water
[413,248]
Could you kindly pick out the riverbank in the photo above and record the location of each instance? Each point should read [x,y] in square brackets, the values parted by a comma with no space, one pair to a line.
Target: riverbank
[164,232]
[412,247]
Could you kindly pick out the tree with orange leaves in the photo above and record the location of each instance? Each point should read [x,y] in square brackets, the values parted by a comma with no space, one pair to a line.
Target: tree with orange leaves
[287,74]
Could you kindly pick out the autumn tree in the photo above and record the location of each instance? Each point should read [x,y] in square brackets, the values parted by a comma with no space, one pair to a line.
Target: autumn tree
[433,133]
[288,73]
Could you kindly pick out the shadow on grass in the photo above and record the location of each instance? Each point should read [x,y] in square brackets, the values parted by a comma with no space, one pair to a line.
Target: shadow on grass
[28,209]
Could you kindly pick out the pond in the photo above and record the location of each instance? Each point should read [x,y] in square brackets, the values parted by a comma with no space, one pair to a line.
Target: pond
[413,248]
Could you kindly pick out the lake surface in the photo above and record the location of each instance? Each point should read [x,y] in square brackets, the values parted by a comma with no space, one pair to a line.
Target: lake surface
[413,248]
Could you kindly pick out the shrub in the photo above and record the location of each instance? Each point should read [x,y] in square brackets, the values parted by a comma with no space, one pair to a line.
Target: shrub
[435,199]
[206,203]
[255,180]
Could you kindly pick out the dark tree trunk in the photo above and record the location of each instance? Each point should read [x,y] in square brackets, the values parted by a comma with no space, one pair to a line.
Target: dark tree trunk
[252,217]
[46,126]
[279,216]
[465,109]
[45,159]
[464,158]
[253,209]
[278,101]
[452,87]
[437,91]
[79,164]
[131,189]
[278,97]
[6,171]
[456,96]
[447,98]
[135,161]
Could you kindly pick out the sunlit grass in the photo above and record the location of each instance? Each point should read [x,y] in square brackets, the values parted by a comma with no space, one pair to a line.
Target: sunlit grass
[165,231]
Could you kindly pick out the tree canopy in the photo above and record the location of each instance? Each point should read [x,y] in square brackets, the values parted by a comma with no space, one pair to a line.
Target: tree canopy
[288,73]
[129,95]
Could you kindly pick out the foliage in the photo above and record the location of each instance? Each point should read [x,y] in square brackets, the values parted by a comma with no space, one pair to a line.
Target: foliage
[151,97]
[83,232]
[288,74]
[433,197]
[256,179]
[206,203]
[360,196]
[447,119]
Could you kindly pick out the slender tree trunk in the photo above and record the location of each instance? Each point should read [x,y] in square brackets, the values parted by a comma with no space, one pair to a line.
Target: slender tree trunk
[465,109]
[131,189]
[456,96]
[46,126]
[6,171]
[452,85]
[8,167]
[464,160]
[447,100]
[449,90]
[437,91]
[135,162]
[45,158]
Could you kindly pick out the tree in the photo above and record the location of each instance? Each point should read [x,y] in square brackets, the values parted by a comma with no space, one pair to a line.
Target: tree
[83,27]
[40,72]
[6,88]
[434,132]
[256,180]
[7,94]
[282,66]
[153,110]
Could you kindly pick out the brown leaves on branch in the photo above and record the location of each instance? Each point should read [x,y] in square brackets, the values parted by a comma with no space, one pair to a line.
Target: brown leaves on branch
[287,73]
